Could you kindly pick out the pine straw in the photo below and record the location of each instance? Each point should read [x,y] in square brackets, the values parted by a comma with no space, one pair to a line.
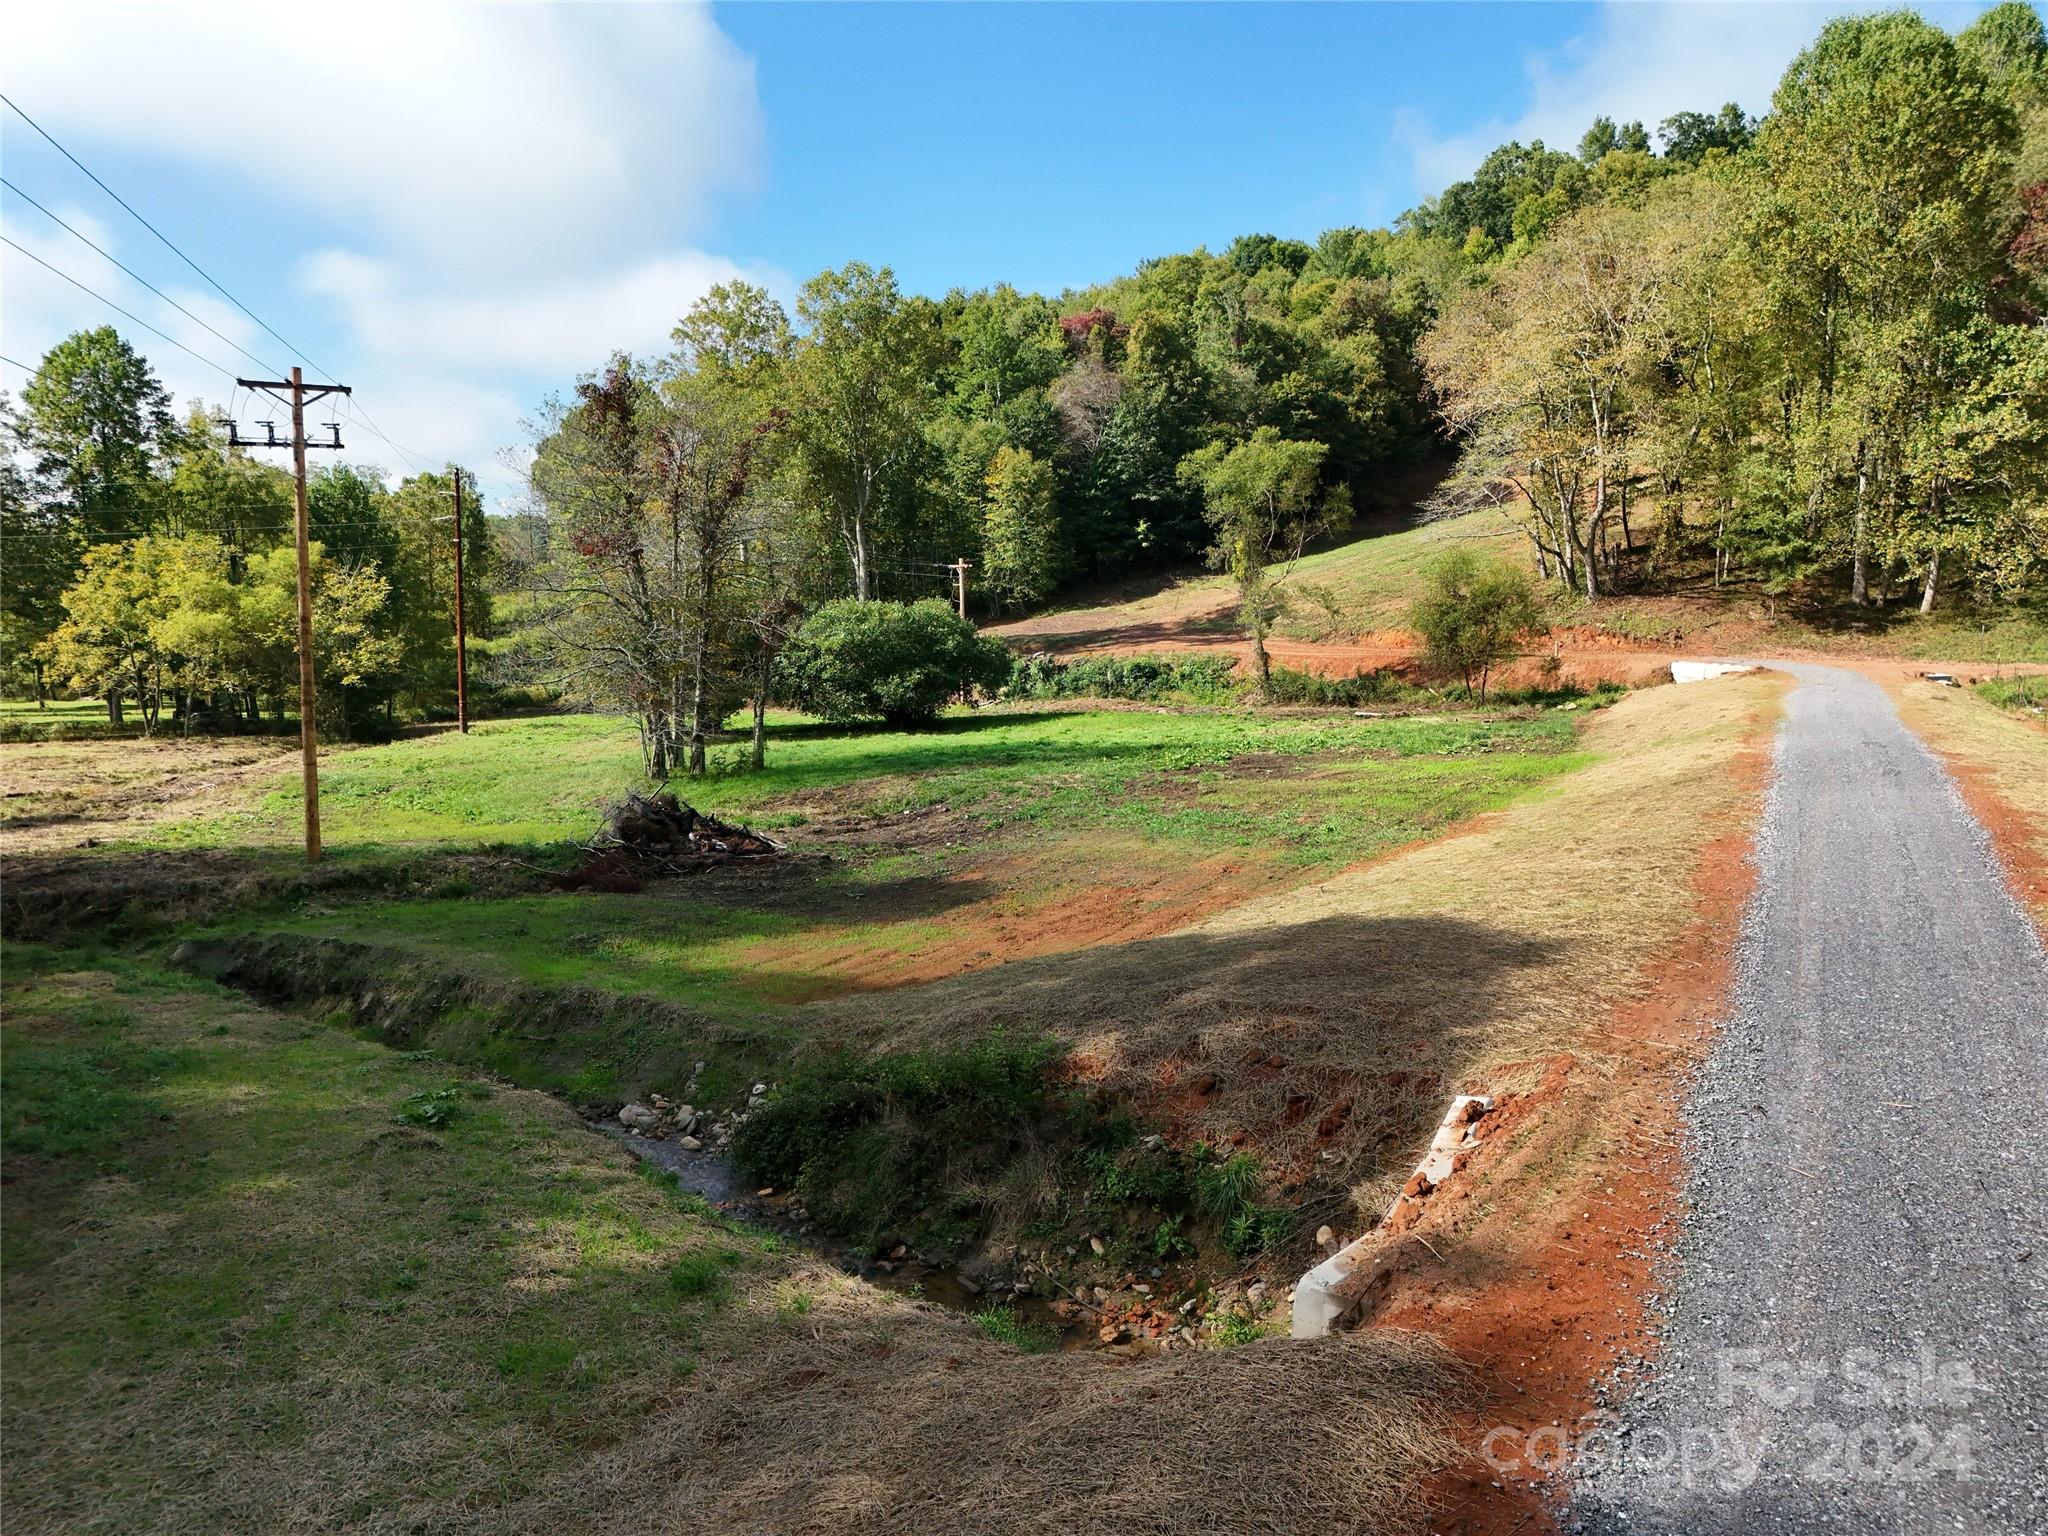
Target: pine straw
[871,1416]
[1395,984]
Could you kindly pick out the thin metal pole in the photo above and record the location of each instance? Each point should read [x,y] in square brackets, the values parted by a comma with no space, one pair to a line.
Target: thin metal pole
[461,640]
[309,739]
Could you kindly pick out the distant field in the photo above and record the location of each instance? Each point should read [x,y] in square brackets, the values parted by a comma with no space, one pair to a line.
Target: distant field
[55,709]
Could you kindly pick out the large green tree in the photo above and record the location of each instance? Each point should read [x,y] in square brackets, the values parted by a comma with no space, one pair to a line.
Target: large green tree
[96,422]
[862,390]
[1880,177]
[1265,504]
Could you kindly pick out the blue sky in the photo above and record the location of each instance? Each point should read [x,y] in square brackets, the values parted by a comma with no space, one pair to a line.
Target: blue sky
[458,208]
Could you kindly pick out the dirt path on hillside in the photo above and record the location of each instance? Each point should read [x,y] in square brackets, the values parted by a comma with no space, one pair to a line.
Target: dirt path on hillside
[1196,620]
[1201,623]
[1858,1323]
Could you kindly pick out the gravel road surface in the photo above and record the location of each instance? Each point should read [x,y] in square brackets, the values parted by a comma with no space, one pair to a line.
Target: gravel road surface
[1857,1329]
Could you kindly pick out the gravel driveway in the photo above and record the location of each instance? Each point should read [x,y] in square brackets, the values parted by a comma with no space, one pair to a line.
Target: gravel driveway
[1857,1337]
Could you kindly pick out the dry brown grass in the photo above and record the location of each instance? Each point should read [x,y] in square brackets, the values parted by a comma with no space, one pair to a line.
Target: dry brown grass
[1454,966]
[261,1306]
[867,1417]
[1992,749]
[59,793]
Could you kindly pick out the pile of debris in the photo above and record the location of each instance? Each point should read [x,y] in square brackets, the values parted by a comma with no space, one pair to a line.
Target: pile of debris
[647,836]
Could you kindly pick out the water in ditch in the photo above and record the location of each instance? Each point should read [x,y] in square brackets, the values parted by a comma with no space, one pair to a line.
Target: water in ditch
[712,1178]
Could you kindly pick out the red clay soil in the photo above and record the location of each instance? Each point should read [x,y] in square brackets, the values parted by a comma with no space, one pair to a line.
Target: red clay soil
[2015,833]
[1201,621]
[1539,1288]
[1113,905]
[1587,656]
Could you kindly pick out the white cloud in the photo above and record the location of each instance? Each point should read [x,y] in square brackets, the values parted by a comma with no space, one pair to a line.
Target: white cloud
[1641,62]
[518,185]
[420,346]
[41,307]
[515,134]
[556,327]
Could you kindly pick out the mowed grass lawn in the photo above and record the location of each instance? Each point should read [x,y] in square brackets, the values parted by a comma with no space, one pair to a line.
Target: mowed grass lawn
[241,1248]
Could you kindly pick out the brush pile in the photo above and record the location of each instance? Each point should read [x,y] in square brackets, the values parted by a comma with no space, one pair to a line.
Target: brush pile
[647,836]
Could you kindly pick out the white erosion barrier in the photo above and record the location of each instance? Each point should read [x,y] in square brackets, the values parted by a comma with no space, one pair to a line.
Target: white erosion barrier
[1700,671]
[1325,1294]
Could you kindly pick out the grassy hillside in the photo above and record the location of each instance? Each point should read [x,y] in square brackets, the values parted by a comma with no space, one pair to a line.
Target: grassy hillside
[1360,591]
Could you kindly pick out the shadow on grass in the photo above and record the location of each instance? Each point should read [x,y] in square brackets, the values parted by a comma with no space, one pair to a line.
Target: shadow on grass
[1336,1032]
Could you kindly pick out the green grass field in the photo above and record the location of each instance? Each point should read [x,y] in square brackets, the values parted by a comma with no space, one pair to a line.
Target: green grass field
[55,709]
[213,1204]
[547,779]
[1043,808]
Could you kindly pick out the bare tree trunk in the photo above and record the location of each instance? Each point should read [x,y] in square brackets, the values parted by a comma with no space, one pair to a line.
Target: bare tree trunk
[857,544]
[1859,578]
[1255,622]
[697,704]
[761,710]
[657,746]
[1927,590]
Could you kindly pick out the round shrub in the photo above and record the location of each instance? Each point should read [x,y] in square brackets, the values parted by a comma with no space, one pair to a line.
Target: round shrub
[899,662]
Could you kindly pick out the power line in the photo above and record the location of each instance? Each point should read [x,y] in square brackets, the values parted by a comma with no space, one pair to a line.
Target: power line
[352,408]
[117,309]
[245,309]
[369,422]
[152,287]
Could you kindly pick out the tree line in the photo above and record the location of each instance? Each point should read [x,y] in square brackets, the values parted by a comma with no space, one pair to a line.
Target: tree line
[149,563]
[1801,353]
[1815,347]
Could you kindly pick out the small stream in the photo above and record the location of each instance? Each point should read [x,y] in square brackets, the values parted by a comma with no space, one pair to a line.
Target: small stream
[713,1179]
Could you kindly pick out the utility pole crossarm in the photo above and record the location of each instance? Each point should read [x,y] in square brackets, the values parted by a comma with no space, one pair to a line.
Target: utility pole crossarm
[309,740]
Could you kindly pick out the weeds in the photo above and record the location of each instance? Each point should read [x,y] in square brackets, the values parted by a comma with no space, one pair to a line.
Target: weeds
[874,1144]
[2016,693]
[1223,1189]
[702,1275]
[1235,1328]
[1004,1326]
[1199,680]
[436,1109]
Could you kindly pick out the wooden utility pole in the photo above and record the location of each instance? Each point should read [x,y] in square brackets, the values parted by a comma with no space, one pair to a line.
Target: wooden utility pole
[461,639]
[309,738]
[959,568]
